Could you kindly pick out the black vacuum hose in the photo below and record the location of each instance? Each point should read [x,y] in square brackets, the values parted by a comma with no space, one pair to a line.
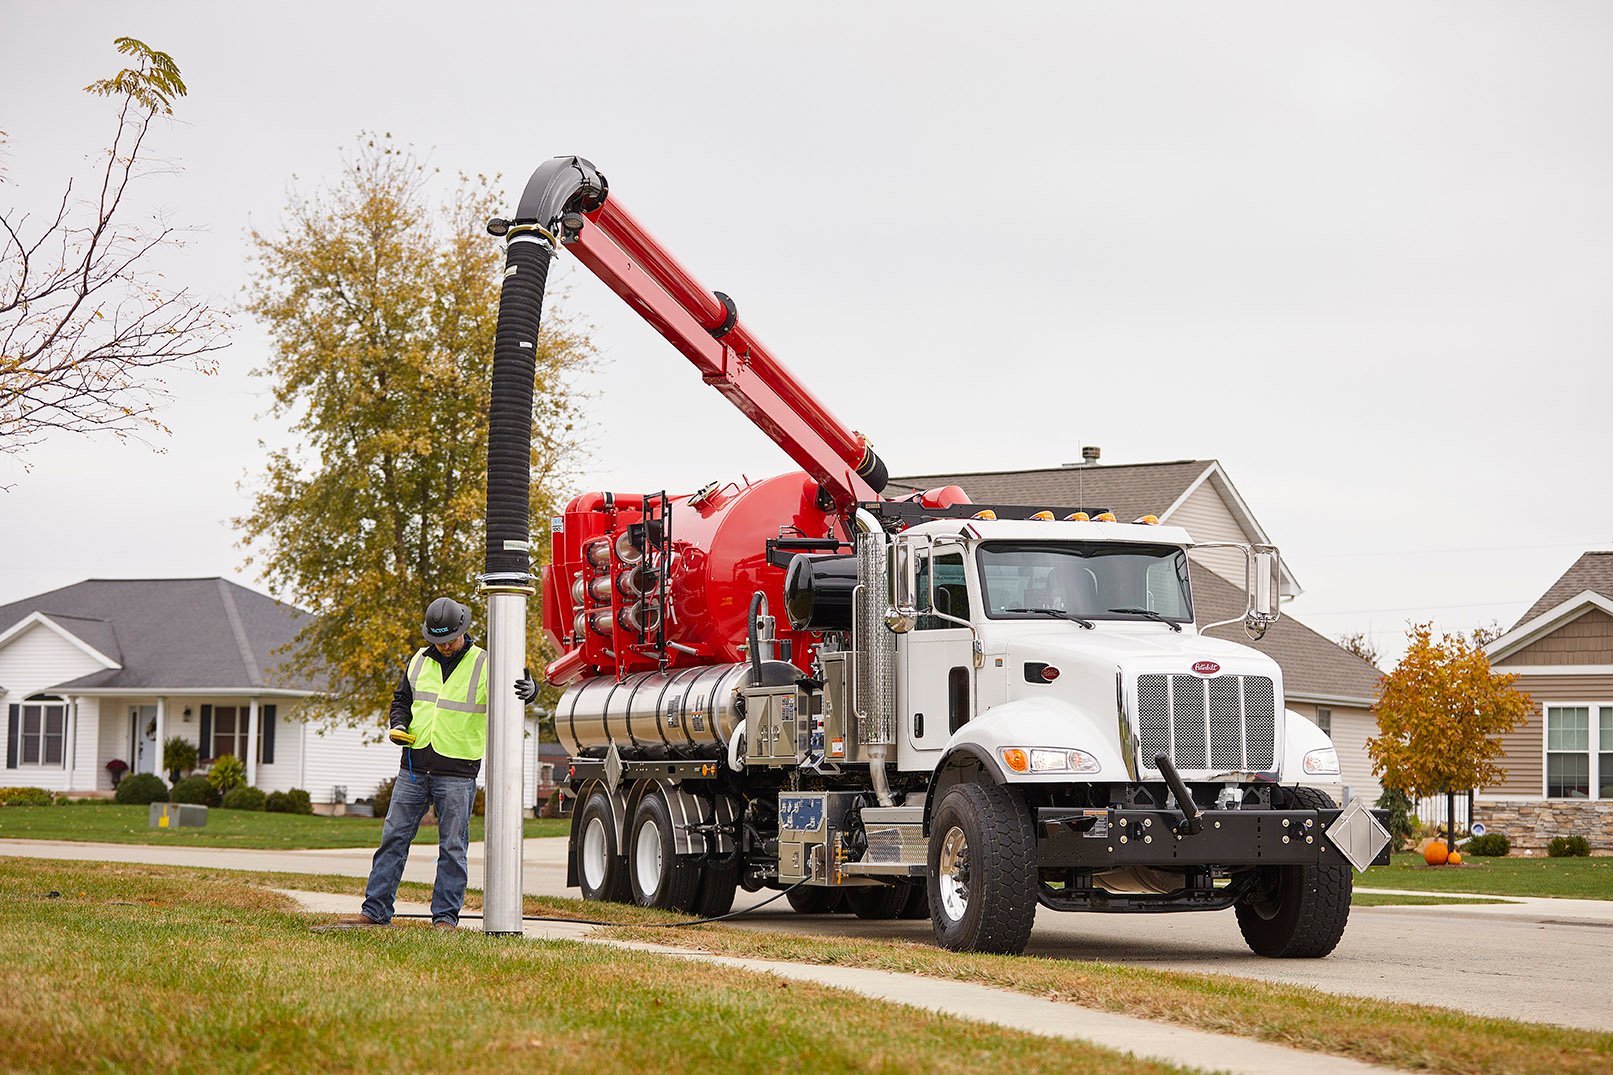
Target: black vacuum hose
[509,425]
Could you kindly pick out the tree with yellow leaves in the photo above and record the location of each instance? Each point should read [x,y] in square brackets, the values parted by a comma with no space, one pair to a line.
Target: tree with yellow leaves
[1441,713]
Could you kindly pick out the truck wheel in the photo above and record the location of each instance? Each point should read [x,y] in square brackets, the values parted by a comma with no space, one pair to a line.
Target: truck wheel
[877,902]
[1297,912]
[659,875]
[917,905]
[714,895]
[817,900]
[600,870]
[982,885]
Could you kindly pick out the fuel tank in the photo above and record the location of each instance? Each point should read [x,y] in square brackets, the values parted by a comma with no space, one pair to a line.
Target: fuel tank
[684,713]
[640,582]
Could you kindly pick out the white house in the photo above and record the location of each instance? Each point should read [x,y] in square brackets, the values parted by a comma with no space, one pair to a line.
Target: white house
[110,668]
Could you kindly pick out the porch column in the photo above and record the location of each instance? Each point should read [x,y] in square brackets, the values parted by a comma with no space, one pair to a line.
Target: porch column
[70,733]
[162,733]
[252,745]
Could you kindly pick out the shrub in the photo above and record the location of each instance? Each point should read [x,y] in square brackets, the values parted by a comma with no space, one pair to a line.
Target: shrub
[227,774]
[295,801]
[195,789]
[1491,845]
[140,789]
[24,797]
[382,802]
[1568,847]
[244,799]
[178,756]
[1402,824]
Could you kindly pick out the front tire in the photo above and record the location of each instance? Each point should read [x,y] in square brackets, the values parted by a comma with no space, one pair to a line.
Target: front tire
[1297,912]
[601,871]
[982,870]
[659,875]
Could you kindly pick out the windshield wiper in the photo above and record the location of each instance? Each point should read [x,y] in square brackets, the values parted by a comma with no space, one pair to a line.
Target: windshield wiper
[1151,614]
[1059,612]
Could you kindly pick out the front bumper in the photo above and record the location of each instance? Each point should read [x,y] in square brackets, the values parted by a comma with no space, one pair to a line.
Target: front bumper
[1097,838]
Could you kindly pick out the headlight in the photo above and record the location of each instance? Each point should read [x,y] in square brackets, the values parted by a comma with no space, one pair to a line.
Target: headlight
[1048,760]
[1323,762]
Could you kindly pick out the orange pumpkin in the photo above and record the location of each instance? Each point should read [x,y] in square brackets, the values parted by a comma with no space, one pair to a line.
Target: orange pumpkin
[1455,859]
[1436,853]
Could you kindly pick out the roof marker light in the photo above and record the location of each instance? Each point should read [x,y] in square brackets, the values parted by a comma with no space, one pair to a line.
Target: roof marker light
[1042,517]
[984,514]
[1147,520]
[1078,517]
[1106,517]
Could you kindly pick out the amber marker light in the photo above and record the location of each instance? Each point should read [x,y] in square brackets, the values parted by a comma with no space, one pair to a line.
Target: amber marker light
[1147,520]
[1043,517]
[1106,517]
[1078,517]
[1016,759]
[985,514]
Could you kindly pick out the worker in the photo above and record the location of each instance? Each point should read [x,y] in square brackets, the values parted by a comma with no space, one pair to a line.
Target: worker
[439,718]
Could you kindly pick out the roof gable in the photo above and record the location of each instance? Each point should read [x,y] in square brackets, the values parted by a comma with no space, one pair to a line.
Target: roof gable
[1530,631]
[93,638]
[1592,572]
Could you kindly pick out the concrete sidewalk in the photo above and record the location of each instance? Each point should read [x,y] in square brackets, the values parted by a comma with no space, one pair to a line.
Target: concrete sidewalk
[1195,1049]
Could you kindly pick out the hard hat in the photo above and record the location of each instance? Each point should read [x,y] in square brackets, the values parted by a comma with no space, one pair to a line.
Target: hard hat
[446,620]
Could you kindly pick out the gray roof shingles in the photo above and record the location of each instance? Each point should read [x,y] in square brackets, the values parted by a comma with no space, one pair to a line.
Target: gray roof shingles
[172,633]
[1130,490]
[1592,571]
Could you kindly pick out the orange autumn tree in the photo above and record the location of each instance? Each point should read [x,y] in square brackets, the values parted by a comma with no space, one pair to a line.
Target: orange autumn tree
[1441,714]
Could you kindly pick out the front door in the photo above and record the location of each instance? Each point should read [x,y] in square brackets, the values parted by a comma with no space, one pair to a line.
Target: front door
[143,737]
[937,659]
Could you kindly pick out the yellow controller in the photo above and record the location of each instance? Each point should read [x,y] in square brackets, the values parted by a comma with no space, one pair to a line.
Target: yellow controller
[401,737]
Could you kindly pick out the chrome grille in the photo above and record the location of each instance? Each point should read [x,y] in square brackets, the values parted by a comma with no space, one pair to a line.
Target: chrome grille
[1219,724]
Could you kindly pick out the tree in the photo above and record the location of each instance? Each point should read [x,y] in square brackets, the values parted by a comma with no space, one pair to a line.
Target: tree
[1360,643]
[1440,715]
[382,307]
[87,324]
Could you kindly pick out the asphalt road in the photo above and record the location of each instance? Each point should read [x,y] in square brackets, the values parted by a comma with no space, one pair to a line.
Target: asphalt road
[1547,961]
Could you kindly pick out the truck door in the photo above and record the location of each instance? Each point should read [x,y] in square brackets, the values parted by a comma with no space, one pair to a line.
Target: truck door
[937,662]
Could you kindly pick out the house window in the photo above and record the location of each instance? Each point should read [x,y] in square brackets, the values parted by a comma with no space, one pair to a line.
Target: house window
[1605,755]
[42,734]
[1324,720]
[230,723]
[1568,751]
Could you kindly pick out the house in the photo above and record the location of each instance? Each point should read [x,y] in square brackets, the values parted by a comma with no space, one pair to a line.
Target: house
[1323,681]
[110,668]
[1559,764]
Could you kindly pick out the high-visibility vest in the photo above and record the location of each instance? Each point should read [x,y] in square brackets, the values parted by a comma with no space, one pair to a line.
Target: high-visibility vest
[451,717]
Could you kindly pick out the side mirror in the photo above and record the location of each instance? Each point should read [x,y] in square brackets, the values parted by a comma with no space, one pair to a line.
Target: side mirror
[901,569]
[1265,587]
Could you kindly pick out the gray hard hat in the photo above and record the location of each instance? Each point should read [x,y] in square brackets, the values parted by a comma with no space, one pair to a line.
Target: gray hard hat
[446,620]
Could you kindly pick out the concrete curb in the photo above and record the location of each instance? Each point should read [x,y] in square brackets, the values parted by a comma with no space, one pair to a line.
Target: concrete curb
[1197,1049]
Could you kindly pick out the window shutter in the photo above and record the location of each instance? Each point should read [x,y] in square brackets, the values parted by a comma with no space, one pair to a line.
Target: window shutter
[12,727]
[207,733]
[266,736]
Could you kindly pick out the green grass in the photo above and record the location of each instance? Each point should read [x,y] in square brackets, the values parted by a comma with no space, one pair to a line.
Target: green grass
[1401,899]
[154,969]
[224,828]
[1584,879]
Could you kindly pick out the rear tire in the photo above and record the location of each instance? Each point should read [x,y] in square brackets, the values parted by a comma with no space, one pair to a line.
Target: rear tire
[877,903]
[714,895]
[1297,912]
[982,876]
[817,900]
[659,875]
[917,905]
[601,870]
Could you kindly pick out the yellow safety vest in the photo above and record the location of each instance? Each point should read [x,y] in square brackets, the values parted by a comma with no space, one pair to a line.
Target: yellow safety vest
[451,717]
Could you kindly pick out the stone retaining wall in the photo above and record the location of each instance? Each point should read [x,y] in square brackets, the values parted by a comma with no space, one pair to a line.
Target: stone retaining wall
[1528,825]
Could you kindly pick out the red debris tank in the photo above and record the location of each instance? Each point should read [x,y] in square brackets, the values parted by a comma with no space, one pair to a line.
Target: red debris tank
[638,581]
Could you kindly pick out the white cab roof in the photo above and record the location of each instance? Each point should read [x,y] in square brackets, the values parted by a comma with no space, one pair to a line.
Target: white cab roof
[1022,530]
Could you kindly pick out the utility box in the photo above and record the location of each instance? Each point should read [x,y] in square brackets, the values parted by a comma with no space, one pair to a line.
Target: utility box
[178,816]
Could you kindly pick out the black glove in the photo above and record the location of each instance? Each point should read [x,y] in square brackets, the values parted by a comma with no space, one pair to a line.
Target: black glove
[526,688]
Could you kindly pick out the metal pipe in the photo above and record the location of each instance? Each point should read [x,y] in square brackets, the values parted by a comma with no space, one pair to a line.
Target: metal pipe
[506,634]
[875,738]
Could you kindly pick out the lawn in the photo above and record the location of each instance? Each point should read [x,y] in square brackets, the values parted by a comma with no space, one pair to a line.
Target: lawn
[1584,879]
[155,969]
[1404,899]
[225,828]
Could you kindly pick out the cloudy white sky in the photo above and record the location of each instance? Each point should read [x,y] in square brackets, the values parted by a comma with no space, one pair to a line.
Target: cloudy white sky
[1361,255]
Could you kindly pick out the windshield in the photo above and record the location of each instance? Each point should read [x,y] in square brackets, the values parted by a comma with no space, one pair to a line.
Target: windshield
[1095,580]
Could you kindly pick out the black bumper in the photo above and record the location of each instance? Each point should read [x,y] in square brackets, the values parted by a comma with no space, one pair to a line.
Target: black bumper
[1099,838]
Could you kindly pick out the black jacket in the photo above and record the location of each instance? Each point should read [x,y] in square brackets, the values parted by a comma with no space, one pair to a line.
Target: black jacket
[427,760]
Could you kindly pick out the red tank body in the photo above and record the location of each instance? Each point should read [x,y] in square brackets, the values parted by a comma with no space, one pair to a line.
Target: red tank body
[715,543]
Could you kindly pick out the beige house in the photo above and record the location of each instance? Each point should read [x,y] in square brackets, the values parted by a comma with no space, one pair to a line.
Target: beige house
[1559,765]
[1323,681]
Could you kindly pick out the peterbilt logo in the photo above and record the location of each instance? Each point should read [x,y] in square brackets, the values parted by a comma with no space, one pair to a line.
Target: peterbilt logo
[1206,668]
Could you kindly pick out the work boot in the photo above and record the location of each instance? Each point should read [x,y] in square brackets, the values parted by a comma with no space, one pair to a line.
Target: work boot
[443,923]
[358,920]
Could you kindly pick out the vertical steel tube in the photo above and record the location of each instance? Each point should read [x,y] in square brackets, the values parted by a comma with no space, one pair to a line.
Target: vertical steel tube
[506,634]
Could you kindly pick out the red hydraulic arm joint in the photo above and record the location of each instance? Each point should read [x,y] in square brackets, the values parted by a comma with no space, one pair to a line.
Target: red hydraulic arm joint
[570,198]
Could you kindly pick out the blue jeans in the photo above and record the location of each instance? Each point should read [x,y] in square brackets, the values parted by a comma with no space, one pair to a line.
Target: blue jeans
[453,797]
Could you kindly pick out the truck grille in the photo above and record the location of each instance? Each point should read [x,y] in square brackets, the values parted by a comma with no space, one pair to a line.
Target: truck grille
[1223,724]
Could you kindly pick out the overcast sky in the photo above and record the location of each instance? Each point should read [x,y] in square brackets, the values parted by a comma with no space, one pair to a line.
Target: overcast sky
[1362,255]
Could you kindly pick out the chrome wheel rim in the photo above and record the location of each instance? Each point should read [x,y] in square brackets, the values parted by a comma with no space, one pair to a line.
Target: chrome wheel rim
[647,857]
[953,874]
[594,853]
